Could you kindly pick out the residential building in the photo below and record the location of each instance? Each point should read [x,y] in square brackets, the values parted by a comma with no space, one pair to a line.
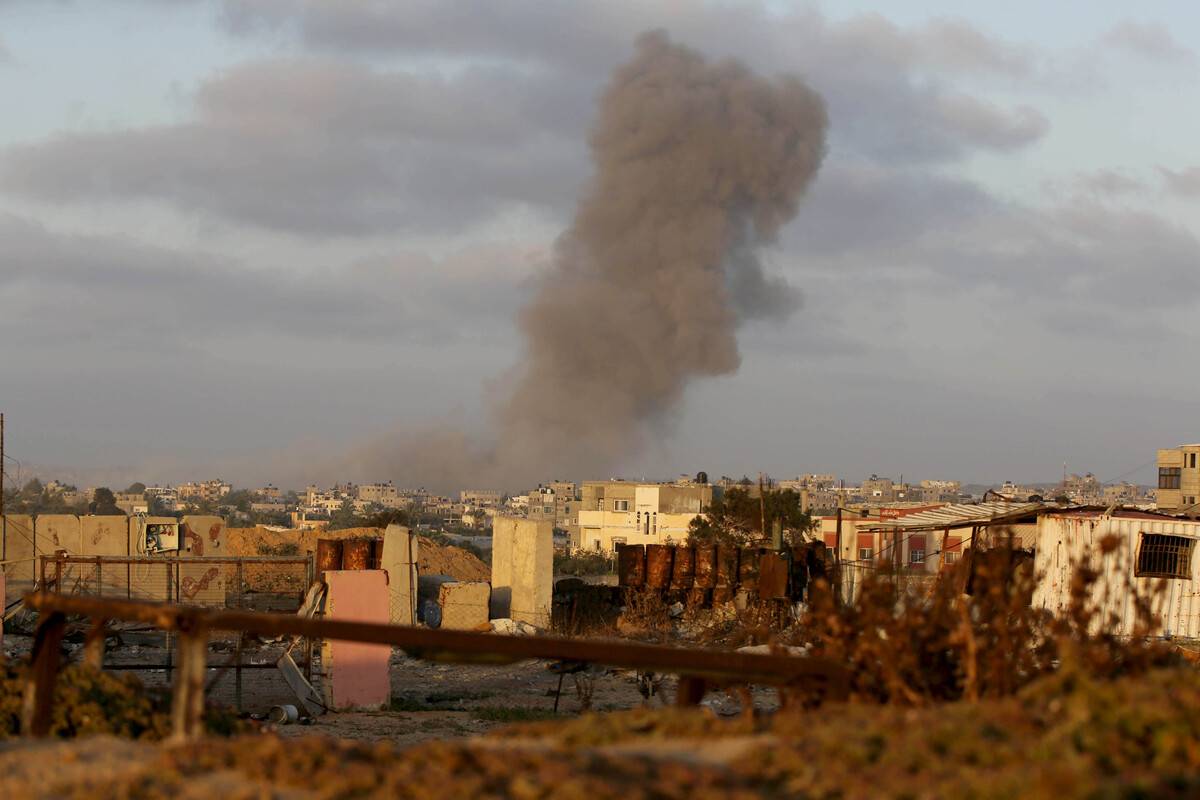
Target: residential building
[383,494]
[878,490]
[621,512]
[268,493]
[557,501]
[204,491]
[482,498]
[132,502]
[1179,479]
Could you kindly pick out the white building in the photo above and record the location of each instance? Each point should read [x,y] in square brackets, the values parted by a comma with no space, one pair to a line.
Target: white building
[1155,557]
[620,512]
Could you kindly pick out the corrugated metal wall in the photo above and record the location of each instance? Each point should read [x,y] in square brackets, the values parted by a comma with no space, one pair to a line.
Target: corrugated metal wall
[1063,542]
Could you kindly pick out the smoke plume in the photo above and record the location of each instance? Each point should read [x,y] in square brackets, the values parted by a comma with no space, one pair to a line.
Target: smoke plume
[697,166]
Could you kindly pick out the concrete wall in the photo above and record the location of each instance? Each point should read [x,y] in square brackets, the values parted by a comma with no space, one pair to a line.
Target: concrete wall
[522,570]
[356,674]
[20,565]
[464,605]
[399,561]
[117,535]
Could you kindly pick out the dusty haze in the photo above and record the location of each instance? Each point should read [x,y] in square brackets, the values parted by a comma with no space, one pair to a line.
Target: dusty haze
[697,166]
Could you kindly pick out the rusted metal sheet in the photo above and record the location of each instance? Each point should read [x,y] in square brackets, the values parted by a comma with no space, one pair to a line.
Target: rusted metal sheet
[659,559]
[705,570]
[631,565]
[798,576]
[772,575]
[356,553]
[329,554]
[748,568]
[727,566]
[683,571]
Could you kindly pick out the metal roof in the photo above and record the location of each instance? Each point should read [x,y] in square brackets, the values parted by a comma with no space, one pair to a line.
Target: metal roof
[956,515]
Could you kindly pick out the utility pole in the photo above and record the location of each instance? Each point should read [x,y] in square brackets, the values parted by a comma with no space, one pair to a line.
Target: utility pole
[3,518]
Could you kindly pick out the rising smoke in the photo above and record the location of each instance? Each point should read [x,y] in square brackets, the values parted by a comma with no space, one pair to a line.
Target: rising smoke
[697,166]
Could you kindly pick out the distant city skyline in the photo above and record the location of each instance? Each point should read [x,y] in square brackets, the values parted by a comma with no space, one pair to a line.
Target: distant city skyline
[248,238]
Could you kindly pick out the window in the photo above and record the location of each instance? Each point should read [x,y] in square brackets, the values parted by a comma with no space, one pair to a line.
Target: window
[1163,556]
[949,558]
[1168,477]
[916,556]
[620,505]
[864,554]
[1192,459]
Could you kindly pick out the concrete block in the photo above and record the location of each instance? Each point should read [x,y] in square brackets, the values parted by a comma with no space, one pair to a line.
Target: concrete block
[21,567]
[104,536]
[57,532]
[399,561]
[201,536]
[356,674]
[464,605]
[522,570]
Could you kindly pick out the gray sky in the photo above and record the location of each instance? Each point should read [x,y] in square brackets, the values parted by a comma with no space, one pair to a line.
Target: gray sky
[245,238]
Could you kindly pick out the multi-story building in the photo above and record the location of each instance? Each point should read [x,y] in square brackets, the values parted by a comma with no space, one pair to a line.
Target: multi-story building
[878,490]
[132,502]
[1179,479]
[557,501]
[383,494]
[268,493]
[620,512]
[206,490]
[483,498]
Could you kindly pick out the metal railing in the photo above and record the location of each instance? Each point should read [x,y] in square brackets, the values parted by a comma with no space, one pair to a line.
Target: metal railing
[699,669]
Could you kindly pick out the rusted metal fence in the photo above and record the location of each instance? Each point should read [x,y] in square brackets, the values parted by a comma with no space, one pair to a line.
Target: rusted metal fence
[699,669]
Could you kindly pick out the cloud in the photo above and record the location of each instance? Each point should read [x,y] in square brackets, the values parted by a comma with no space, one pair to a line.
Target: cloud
[1151,40]
[142,298]
[329,145]
[323,148]
[1183,182]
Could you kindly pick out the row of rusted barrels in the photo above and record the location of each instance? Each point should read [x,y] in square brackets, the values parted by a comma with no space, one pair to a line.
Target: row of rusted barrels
[770,573]
[360,553]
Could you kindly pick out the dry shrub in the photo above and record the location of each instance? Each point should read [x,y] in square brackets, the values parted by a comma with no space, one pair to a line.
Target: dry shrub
[646,612]
[913,649]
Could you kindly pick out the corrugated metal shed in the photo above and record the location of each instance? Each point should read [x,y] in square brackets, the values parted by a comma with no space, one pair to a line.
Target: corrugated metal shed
[956,515]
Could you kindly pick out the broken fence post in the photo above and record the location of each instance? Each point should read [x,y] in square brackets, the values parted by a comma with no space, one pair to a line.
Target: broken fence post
[43,673]
[187,701]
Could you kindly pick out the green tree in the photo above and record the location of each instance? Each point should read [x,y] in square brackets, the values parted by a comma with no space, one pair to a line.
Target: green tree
[136,488]
[737,517]
[104,503]
[344,517]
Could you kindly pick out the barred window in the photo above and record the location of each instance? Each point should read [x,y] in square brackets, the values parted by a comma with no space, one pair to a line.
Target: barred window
[1163,556]
[916,556]
[1168,477]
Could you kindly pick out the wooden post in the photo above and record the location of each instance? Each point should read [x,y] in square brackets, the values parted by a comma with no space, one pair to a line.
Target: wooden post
[837,558]
[93,645]
[187,697]
[58,571]
[690,690]
[39,689]
[237,672]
